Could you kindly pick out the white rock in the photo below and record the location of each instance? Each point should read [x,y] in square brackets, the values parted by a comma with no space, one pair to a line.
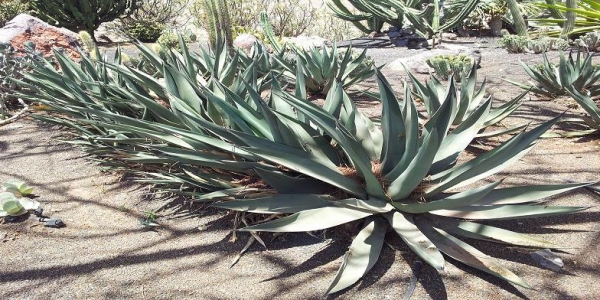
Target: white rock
[245,42]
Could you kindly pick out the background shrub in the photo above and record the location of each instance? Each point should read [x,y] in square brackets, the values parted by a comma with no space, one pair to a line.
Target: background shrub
[150,18]
[10,9]
[144,30]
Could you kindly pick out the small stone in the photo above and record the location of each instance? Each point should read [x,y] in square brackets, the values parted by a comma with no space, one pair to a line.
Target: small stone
[393,34]
[548,260]
[245,42]
[393,29]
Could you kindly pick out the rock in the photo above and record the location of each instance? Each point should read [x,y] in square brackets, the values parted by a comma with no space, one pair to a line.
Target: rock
[25,28]
[245,42]
[306,42]
[406,31]
[393,34]
[449,36]
[393,29]
[548,260]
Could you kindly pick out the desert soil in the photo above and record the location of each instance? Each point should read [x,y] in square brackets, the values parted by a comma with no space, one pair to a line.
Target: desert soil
[105,253]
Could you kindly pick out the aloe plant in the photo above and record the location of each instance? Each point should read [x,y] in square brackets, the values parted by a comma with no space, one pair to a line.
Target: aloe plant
[591,122]
[216,139]
[553,80]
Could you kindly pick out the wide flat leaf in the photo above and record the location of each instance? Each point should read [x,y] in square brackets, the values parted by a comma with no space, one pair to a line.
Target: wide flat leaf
[507,212]
[494,234]
[468,255]
[392,125]
[525,194]
[457,200]
[310,220]
[278,204]
[285,184]
[402,186]
[404,225]
[362,255]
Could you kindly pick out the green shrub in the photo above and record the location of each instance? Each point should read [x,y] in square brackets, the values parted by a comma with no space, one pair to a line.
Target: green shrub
[10,9]
[77,15]
[13,65]
[170,39]
[288,17]
[144,31]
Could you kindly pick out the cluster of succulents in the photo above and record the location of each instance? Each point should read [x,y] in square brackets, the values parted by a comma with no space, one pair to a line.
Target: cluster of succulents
[451,65]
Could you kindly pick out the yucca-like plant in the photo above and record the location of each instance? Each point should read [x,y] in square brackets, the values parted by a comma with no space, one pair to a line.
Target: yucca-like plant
[580,17]
[433,94]
[552,80]
[310,167]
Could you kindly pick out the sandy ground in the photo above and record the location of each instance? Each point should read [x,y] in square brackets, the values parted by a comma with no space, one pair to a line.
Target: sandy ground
[105,253]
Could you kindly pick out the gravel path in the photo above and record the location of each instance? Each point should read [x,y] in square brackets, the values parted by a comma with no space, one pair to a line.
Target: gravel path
[104,253]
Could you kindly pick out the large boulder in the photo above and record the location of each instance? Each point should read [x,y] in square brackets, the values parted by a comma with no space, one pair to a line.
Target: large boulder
[25,28]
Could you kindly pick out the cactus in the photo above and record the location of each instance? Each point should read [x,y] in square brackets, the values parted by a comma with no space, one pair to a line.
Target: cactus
[80,15]
[555,13]
[446,65]
[571,16]
[518,20]
[269,34]
[218,23]
[514,43]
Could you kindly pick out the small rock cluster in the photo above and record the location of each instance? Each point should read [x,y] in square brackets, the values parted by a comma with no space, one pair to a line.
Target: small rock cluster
[406,37]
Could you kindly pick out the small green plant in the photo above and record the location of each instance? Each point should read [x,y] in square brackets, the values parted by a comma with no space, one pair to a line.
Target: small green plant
[514,43]
[523,44]
[552,80]
[18,188]
[13,199]
[149,221]
[447,65]
[590,41]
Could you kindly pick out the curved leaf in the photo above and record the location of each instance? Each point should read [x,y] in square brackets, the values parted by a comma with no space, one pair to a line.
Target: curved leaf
[362,255]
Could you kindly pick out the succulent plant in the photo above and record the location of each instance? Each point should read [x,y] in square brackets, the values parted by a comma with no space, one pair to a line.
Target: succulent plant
[590,41]
[322,67]
[433,94]
[13,201]
[552,80]
[214,137]
[447,65]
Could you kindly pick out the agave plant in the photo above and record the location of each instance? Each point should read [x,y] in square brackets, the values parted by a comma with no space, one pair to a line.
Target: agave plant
[433,94]
[322,67]
[308,166]
[590,123]
[552,80]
